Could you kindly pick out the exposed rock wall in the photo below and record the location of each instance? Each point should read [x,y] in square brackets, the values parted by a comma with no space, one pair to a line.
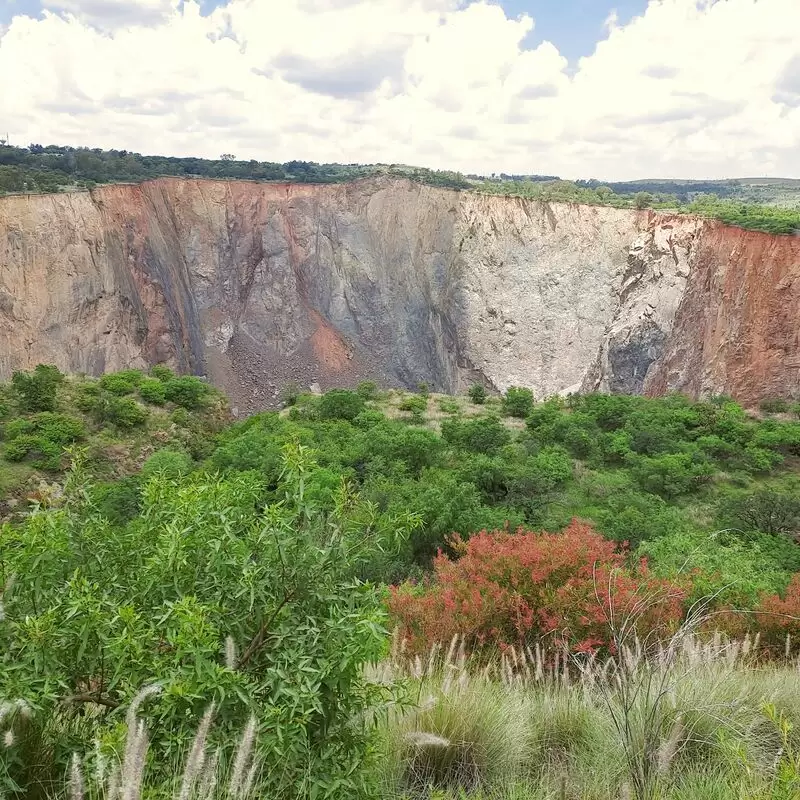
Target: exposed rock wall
[257,285]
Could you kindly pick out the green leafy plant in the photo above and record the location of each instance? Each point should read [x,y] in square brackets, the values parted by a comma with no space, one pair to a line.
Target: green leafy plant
[222,600]
[340,404]
[517,402]
[477,394]
[36,391]
[186,391]
[153,391]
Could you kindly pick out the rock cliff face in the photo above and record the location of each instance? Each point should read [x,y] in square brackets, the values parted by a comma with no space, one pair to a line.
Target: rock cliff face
[257,285]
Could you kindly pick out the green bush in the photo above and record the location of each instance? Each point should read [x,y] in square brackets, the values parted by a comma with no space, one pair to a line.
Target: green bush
[340,404]
[774,405]
[156,599]
[170,463]
[42,439]
[477,394]
[118,502]
[186,391]
[482,435]
[368,390]
[765,510]
[121,383]
[162,373]
[36,391]
[368,418]
[417,405]
[153,391]
[124,412]
[448,406]
[17,427]
[290,394]
[58,428]
[671,475]
[517,402]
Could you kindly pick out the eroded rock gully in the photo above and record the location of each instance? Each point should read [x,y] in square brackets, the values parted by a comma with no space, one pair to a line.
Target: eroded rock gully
[257,285]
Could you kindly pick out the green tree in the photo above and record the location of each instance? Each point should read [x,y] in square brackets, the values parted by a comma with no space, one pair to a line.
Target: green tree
[36,391]
[99,610]
[517,402]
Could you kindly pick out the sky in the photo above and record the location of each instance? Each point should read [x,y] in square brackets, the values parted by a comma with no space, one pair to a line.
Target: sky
[612,89]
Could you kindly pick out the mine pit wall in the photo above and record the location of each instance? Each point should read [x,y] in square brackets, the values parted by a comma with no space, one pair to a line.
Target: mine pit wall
[259,285]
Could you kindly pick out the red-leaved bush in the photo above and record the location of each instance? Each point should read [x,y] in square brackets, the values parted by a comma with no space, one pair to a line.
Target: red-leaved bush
[778,616]
[512,588]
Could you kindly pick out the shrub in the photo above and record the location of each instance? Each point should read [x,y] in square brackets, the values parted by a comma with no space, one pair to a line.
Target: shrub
[121,383]
[516,587]
[36,391]
[186,391]
[58,428]
[482,435]
[423,389]
[17,427]
[368,390]
[124,412]
[477,394]
[170,463]
[774,405]
[118,501]
[162,373]
[41,452]
[289,394]
[153,391]
[368,418]
[672,474]
[417,405]
[764,510]
[779,614]
[42,439]
[517,402]
[157,598]
[394,448]
[340,404]
[448,406]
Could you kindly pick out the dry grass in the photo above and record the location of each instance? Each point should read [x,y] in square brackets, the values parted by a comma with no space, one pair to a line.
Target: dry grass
[539,724]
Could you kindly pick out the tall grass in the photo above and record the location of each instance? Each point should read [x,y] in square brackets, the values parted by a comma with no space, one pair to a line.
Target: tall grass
[531,725]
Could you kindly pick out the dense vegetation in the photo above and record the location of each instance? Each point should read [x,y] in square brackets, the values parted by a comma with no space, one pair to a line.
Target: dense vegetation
[245,570]
[53,168]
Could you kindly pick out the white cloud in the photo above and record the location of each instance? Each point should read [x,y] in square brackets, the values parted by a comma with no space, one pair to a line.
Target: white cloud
[694,88]
[109,14]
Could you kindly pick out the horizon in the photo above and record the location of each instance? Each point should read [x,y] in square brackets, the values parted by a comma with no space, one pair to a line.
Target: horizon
[486,175]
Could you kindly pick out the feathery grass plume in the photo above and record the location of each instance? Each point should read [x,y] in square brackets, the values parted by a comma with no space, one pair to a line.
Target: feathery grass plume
[669,747]
[425,739]
[237,786]
[75,783]
[250,779]
[112,787]
[197,755]
[8,738]
[451,651]
[207,782]
[134,762]
[231,657]
[99,764]
[136,743]
[435,647]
